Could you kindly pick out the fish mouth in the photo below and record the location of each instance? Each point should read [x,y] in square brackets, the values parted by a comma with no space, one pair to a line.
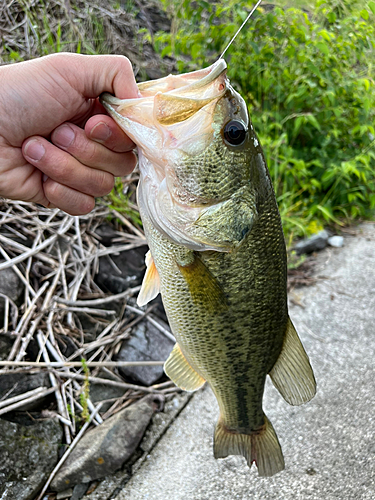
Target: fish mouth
[186,85]
[167,112]
[166,101]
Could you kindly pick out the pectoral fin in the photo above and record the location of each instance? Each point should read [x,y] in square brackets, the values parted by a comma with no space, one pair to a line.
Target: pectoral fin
[151,282]
[204,288]
[292,374]
[181,373]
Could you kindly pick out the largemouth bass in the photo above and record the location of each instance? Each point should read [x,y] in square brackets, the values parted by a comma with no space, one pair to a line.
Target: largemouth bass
[217,254]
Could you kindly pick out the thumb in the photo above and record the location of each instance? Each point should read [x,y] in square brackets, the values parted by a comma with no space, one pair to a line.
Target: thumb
[93,75]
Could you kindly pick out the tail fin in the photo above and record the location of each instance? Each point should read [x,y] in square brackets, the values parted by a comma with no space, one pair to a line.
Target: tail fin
[261,447]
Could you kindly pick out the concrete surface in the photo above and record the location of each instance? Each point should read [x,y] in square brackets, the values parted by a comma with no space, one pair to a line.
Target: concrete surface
[328,444]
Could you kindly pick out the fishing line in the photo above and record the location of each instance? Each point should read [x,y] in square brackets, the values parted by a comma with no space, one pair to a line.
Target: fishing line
[240,28]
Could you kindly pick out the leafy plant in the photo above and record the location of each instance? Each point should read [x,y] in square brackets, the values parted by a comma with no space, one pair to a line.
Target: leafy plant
[120,199]
[308,79]
[85,394]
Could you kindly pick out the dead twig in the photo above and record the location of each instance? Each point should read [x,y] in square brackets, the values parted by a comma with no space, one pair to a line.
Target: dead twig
[28,400]
[113,383]
[78,364]
[96,302]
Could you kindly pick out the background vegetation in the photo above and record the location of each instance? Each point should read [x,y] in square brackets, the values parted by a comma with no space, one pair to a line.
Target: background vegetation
[306,72]
[308,78]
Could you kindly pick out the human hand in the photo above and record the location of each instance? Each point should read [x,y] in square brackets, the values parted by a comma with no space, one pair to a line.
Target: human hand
[45,154]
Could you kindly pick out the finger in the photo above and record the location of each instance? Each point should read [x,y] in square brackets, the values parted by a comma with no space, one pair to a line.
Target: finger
[103,129]
[67,199]
[102,73]
[63,168]
[73,139]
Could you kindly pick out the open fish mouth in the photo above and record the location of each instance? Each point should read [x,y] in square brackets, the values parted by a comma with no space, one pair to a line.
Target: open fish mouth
[166,102]
[175,123]
[197,84]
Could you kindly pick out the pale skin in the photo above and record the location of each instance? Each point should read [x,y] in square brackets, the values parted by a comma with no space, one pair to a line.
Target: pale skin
[58,148]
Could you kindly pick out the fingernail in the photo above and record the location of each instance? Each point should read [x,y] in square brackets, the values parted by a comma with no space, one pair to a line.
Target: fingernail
[34,150]
[63,136]
[45,177]
[101,132]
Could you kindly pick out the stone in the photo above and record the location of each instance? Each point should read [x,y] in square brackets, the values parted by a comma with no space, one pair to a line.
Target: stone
[100,392]
[13,384]
[336,241]
[62,495]
[66,345]
[146,343]
[10,285]
[161,420]
[79,490]
[313,244]
[28,456]
[104,449]
[131,268]
[106,234]
[5,346]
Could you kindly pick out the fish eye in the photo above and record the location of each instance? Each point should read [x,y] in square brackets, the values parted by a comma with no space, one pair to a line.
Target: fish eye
[235,133]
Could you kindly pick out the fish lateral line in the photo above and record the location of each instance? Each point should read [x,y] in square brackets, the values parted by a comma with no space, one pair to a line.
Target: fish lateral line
[240,28]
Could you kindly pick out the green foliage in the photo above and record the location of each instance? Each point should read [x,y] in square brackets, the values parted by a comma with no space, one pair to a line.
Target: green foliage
[85,394]
[120,200]
[308,79]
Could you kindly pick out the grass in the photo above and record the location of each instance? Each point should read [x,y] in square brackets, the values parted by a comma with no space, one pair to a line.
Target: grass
[309,84]
[298,4]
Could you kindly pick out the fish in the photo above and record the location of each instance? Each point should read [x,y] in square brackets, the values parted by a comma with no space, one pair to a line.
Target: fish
[216,254]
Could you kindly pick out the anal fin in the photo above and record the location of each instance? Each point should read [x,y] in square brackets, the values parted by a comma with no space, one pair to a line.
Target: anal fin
[292,374]
[261,447]
[151,282]
[181,373]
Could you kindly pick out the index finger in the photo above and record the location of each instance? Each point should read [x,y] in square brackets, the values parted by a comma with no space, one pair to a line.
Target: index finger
[104,130]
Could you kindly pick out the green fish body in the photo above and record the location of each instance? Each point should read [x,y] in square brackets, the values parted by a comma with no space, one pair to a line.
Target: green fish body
[217,254]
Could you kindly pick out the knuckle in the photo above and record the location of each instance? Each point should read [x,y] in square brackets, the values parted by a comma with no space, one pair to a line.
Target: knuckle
[71,201]
[124,61]
[61,168]
[87,151]
[106,183]
[52,190]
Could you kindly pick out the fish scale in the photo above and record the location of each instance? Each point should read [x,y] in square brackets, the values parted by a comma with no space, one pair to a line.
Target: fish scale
[217,254]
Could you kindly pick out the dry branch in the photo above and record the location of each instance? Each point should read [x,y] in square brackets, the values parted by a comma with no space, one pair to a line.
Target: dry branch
[78,364]
[31,399]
